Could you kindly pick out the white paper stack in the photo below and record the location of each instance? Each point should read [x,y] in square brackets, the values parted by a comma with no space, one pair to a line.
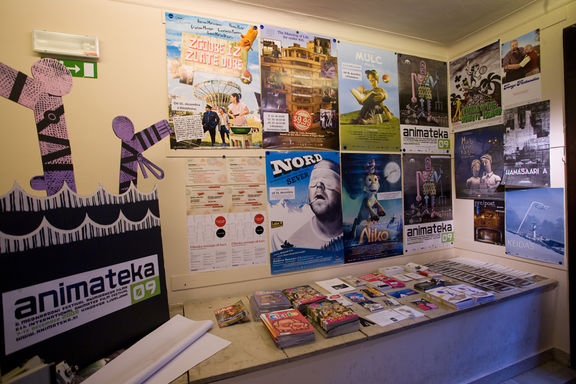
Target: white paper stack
[162,355]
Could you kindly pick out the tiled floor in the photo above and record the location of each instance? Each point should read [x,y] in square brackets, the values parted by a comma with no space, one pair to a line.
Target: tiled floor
[551,372]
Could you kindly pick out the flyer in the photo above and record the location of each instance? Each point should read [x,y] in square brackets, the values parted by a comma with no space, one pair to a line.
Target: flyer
[427,201]
[521,68]
[527,145]
[371,206]
[479,163]
[299,90]
[489,221]
[476,88]
[369,112]
[535,224]
[423,95]
[305,209]
[226,213]
[227,240]
[212,63]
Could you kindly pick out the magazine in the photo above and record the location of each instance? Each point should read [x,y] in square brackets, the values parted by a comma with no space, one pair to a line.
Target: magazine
[332,318]
[303,295]
[403,293]
[231,314]
[288,327]
[451,298]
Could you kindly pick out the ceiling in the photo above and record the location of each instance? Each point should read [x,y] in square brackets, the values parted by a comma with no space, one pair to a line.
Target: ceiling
[440,21]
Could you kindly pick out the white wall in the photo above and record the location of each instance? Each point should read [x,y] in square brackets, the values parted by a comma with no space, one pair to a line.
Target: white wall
[132,82]
[551,18]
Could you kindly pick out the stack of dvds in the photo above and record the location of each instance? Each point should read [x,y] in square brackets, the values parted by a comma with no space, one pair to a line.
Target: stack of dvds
[303,295]
[332,318]
[268,301]
[288,327]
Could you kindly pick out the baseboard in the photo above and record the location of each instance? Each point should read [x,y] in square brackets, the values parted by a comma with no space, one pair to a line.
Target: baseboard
[561,357]
[519,367]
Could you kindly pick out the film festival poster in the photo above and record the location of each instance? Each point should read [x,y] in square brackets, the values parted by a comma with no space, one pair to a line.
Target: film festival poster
[527,145]
[97,263]
[304,209]
[476,88]
[371,206]
[423,95]
[479,163]
[213,62]
[489,221]
[535,224]
[369,110]
[521,82]
[427,201]
[299,90]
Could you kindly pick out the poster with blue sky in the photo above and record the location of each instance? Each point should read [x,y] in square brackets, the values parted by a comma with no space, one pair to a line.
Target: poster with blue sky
[213,62]
[535,224]
[371,206]
[369,108]
[305,209]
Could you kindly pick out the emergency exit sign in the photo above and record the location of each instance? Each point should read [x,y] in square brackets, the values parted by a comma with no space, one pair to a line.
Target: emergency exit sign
[77,68]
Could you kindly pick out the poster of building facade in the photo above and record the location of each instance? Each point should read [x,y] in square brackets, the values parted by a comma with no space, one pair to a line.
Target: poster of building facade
[369,113]
[527,145]
[535,224]
[226,213]
[371,206]
[489,220]
[299,90]
[213,62]
[479,163]
[423,94]
[305,209]
[476,88]
[521,83]
[427,201]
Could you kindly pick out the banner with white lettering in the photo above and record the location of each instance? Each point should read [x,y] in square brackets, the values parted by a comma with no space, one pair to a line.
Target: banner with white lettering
[78,271]
[305,209]
[369,110]
[371,206]
[527,145]
[299,89]
[213,62]
[427,202]
[38,312]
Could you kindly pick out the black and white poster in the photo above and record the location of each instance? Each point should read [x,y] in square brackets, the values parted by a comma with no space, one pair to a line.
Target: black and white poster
[527,145]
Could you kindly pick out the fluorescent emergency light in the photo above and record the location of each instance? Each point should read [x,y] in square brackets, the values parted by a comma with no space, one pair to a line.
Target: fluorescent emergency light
[57,43]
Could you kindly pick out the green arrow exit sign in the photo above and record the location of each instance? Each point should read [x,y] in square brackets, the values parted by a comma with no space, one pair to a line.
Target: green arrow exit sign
[78,68]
